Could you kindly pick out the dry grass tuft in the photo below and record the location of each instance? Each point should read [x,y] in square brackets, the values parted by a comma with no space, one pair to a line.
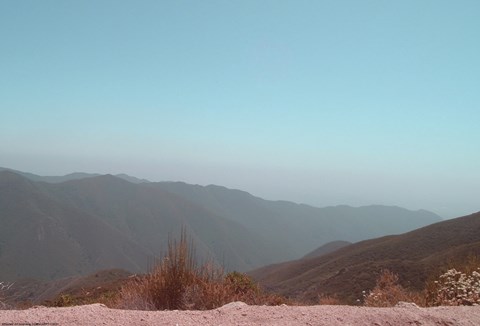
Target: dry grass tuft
[388,292]
[329,300]
[178,283]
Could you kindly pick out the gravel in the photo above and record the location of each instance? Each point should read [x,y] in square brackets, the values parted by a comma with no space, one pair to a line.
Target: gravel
[238,313]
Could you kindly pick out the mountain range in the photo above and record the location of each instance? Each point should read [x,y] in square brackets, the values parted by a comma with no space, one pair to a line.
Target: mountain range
[53,227]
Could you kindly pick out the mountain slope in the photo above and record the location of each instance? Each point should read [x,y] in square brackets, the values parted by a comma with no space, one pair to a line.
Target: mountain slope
[99,222]
[44,238]
[327,248]
[296,229]
[352,269]
[76,227]
[150,215]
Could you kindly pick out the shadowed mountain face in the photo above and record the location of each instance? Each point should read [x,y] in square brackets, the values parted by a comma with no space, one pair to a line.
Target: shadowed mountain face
[298,229]
[352,269]
[43,237]
[327,248]
[58,229]
[148,216]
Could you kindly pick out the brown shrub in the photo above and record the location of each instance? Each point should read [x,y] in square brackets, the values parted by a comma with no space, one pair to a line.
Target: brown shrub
[178,283]
[328,300]
[85,297]
[387,292]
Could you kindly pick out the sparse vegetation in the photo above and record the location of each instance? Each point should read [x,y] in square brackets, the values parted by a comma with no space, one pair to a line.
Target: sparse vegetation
[455,288]
[100,287]
[3,288]
[452,288]
[68,300]
[177,282]
[64,300]
[328,300]
[388,292]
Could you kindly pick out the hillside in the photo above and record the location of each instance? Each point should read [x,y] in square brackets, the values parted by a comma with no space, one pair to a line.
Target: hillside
[80,288]
[42,237]
[327,248]
[149,216]
[347,272]
[76,227]
[296,229]
[57,229]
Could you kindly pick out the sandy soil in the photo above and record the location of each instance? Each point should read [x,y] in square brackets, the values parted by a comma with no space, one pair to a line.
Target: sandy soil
[238,313]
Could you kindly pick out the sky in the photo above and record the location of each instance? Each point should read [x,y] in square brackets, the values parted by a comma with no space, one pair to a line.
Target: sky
[317,102]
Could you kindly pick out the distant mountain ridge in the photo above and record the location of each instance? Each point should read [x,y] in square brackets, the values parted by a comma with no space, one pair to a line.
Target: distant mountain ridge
[71,176]
[52,229]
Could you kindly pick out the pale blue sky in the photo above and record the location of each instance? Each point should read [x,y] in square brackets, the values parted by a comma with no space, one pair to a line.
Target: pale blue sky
[321,102]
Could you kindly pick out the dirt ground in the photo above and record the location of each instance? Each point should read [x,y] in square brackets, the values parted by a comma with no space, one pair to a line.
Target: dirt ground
[238,313]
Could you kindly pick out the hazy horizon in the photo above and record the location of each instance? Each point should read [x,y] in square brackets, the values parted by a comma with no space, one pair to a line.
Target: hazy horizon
[323,103]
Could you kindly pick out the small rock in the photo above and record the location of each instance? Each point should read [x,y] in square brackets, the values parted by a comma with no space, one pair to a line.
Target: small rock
[402,304]
[234,305]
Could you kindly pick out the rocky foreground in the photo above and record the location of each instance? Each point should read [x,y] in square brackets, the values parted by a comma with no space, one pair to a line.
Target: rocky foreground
[238,313]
